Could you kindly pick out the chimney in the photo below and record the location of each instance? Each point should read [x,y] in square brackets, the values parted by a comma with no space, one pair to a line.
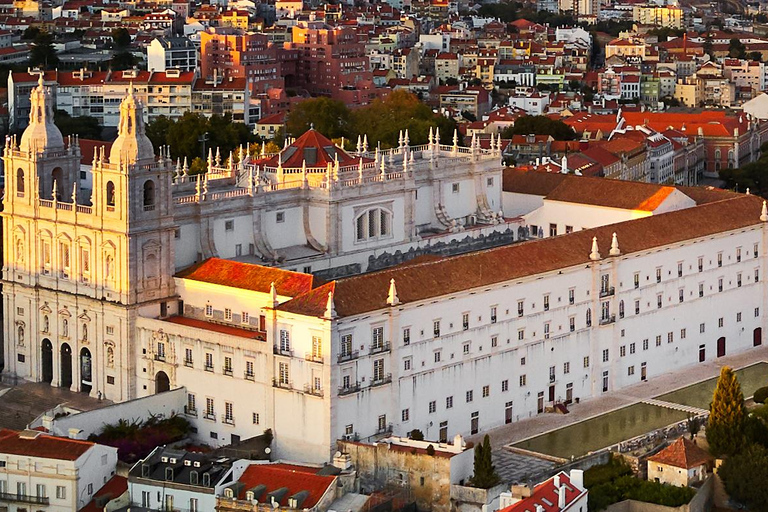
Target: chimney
[557,480]
[520,492]
[577,479]
[539,508]
[561,497]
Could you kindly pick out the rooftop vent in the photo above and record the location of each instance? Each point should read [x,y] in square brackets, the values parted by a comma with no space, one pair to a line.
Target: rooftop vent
[29,434]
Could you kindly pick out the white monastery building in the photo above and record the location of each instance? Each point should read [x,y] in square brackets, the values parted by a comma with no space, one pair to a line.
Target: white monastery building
[227,284]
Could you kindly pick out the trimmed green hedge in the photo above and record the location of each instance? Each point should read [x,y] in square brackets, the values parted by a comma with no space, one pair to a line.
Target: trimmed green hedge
[761,395]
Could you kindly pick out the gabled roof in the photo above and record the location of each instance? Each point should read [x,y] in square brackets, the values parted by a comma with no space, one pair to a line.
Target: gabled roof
[41,445]
[315,149]
[292,477]
[114,488]
[247,276]
[683,453]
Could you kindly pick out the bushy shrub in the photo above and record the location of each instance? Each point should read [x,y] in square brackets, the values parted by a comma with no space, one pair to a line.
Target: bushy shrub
[761,395]
[603,473]
[135,440]
[631,488]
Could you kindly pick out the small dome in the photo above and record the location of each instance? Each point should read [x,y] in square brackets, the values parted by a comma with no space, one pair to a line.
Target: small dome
[132,144]
[41,134]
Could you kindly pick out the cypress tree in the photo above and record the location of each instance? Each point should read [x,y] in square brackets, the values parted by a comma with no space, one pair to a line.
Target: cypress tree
[485,475]
[725,428]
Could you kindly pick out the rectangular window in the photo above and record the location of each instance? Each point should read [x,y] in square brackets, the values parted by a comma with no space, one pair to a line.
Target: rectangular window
[229,225]
[521,334]
[631,370]
[572,323]
[658,275]
[682,334]
[449,402]
[285,341]
[466,348]
[465,321]
[377,337]
[407,336]
[470,396]
[227,314]
[522,380]
[546,303]
[436,328]
[738,280]
[568,229]
[208,310]
[757,275]
[255,418]
[571,296]
[645,344]
[249,370]
[245,317]
[228,412]
[317,348]
[754,251]
[720,322]
[719,259]
[631,348]
[432,407]
[659,301]
[504,385]
[681,295]
[378,370]
[283,375]
[209,361]
[546,331]
[455,188]
[227,366]
[407,364]
[553,230]
[658,340]
[637,307]
[679,269]
[346,345]
[701,289]
[486,391]
[605,355]
[280,217]
[493,314]
[586,361]
[757,312]
[405,415]
[636,279]
[520,308]
[738,317]
[701,264]
[61,492]
[566,368]
[494,341]
[209,410]
[437,356]
[622,351]
[738,254]
[701,328]
[670,337]
[720,284]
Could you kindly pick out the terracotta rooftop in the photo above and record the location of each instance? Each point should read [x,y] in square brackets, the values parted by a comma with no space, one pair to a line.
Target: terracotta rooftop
[683,453]
[368,292]
[114,488]
[13,442]
[294,478]
[247,276]
[315,149]
[546,496]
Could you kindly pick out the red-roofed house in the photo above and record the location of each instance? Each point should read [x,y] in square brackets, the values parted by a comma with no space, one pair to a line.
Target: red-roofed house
[67,472]
[682,463]
[560,493]
[288,486]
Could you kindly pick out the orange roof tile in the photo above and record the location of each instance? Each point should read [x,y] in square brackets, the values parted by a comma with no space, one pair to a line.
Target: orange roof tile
[294,478]
[220,328]
[683,453]
[248,276]
[43,446]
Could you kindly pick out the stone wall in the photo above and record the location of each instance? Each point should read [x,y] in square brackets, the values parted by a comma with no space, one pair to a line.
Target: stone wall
[472,499]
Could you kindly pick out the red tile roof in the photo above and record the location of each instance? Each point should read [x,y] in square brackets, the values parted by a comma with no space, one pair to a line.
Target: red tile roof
[368,292]
[220,328]
[312,144]
[43,446]
[683,453]
[547,491]
[247,276]
[295,478]
[88,148]
[114,488]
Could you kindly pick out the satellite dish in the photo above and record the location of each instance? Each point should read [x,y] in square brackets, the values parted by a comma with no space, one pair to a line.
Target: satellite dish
[267,450]
[337,454]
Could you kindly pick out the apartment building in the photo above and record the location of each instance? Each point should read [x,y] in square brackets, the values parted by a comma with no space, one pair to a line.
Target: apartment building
[165,53]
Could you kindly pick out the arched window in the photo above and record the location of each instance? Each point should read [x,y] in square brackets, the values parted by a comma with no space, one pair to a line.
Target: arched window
[589,317]
[717,154]
[149,195]
[110,194]
[20,182]
[373,223]
[57,176]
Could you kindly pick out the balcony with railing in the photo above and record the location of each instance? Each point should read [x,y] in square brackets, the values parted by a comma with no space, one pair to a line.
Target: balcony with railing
[311,390]
[227,420]
[283,351]
[354,387]
[281,383]
[190,411]
[160,358]
[210,415]
[607,291]
[249,376]
[379,348]
[315,358]
[384,379]
[13,497]
[348,356]
[608,319]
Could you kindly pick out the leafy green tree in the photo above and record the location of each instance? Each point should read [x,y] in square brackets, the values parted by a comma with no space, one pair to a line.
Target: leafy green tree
[85,127]
[756,56]
[329,117]
[30,33]
[540,125]
[157,131]
[122,60]
[736,49]
[43,54]
[744,475]
[505,11]
[725,429]
[694,425]
[121,37]
[485,475]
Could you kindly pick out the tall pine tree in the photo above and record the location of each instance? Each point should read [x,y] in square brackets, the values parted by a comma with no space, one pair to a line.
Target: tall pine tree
[485,475]
[725,429]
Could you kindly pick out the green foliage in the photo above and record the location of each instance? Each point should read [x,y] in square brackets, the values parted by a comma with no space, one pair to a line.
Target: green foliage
[430,450]
[122,60]
[694,425]
[329,117]
[121,37]
[84,126]
[664,33]
[613,482]
[736,49]
[268,436]
[30,33]
[615,468]
[134,440]
[756,56]
[184,136]
[504,11]
[760,395]
[540,125]
[417,435]
[745,474]
[43,54]
[726,415]
[485,475]
[756,430]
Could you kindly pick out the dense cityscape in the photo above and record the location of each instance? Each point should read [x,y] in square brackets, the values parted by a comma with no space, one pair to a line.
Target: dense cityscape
[411,255]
